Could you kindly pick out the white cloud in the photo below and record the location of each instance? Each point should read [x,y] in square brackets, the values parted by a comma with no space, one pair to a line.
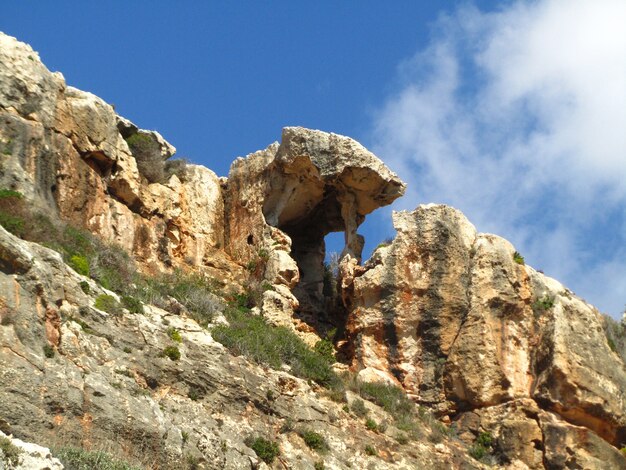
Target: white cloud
[518,118]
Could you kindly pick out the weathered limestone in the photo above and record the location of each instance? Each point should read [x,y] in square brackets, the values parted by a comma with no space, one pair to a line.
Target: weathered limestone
[109,386]
[31,456]
[64,149]
[448,314]
[286,198]
[443,311]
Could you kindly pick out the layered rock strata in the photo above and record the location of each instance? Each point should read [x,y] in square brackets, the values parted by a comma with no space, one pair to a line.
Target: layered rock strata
[68,152]
[108,385]
[448,314]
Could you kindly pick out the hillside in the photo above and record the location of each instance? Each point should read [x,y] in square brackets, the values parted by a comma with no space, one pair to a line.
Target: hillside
[156,314]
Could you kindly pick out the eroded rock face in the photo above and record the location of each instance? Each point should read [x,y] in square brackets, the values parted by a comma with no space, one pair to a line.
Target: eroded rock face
[286,198]
[65,150]
[448,314]
[108,385]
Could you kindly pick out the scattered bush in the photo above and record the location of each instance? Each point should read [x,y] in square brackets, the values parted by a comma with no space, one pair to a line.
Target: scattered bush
[10,453]
[108,303]
[483,446]
[84,285]
[326,349]
[545,303]
[132,304]
[313,440]
[358,408]
[319,465]
[80,264]
[370,450]
[518,258]
[195,292]
[401,439]
[392,399]
[48,351]
[266,450]
[371,424]
[80,459]
[251,336]
[147,153]
[385,242]
[178,167]
[288,426]
[174,335]
[194,394]
[172,352]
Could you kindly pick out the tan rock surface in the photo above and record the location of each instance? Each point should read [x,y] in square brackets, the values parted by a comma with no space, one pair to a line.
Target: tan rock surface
[450,315]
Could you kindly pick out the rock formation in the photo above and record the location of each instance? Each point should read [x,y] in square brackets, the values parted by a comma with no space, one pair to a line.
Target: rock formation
[448,314]
[512,362]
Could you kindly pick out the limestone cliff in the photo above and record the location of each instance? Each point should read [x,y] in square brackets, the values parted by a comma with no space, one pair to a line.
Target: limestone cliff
[457,319]
[517,368]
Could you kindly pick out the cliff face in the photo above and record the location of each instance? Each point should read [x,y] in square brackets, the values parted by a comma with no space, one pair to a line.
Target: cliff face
[509,359]
[450,315]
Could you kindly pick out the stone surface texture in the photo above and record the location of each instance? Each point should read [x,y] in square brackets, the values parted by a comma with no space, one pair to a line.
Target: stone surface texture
[64,150]
[108,385]
[448,314]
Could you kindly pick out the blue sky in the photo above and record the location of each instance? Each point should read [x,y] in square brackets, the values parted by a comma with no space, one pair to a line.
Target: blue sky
[513,112]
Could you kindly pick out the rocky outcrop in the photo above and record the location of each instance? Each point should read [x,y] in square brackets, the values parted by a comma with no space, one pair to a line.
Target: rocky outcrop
[451,316]
[68,152]
[287,198]
[26,456]
[520,366]
[106,384]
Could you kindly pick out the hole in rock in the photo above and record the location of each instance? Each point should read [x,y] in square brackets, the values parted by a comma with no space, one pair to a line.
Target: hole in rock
[310,230]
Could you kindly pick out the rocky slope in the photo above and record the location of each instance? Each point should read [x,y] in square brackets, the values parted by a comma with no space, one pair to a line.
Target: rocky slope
[517,367]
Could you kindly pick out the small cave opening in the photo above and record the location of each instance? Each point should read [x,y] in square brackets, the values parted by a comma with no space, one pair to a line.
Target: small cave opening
[317,290]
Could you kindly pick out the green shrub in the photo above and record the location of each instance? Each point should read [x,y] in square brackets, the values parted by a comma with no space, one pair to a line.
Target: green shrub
[266,450]
[48,351]
[371,424]
[80,459]
[174,335]
[10,452]
[370,450]
[251,336]
[545,303]
[313,440]
[358,408]
[401,439]
[392,399]
[108,303]
[132,304]
[484,439]
[84,285]
[518,258]
[483,446]
[10,194]
[80,264]
[319,465]
[326,349]
[15,225]
[195,292]
[172,352]
[147,153]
